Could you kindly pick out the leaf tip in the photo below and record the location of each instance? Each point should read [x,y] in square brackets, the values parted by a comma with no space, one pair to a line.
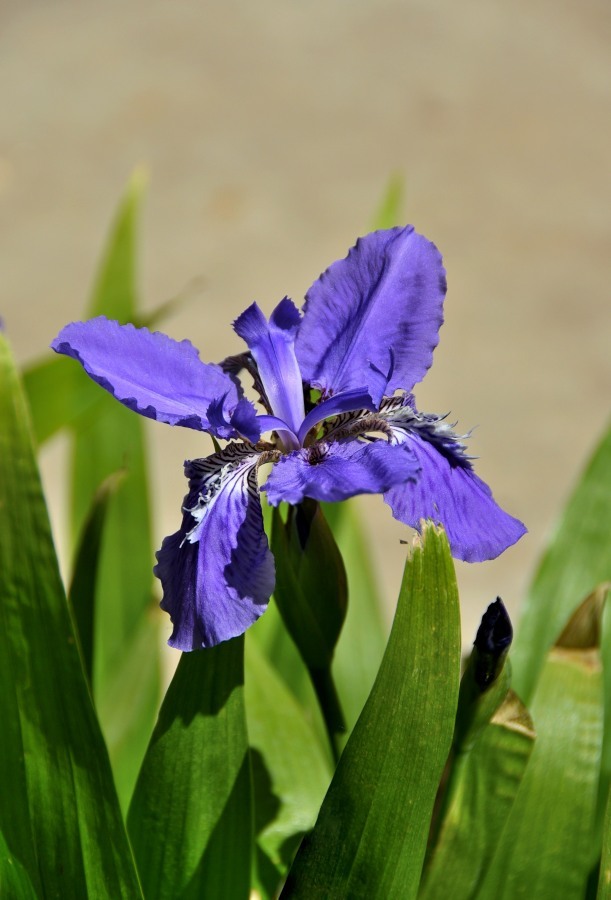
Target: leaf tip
[584,629]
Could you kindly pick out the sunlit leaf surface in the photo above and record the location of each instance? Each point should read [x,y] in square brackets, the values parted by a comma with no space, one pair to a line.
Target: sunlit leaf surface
[577,560]
[370,837]
[290,770]
[57,394]
[62,830]
[546,847]
[604,882]
[485,782]
[81,595]
[108,438]
[190,821]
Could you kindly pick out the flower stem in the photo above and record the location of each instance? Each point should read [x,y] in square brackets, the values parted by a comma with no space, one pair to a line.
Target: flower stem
[330,707]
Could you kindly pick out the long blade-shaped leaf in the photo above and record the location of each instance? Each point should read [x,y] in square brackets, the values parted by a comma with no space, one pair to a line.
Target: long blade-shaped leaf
[59,813]
[493,739]
[363,637]
[578,558]
[115,291]
[190,817]
[57,395]
[485,783]
[290,771]
[370,837]
[546,847]
[111,440]
[389,212]
[108,437]
[107,442]
[604,881]
[81,595]
[275,642]
[14,879]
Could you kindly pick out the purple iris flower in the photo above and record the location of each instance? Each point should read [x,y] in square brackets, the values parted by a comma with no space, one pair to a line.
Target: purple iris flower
[333,425]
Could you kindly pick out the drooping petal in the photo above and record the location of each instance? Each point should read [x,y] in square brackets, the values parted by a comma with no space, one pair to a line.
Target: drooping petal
[272,345]
[149,372]
[372,319]
[449,492]
[217,571]
[337,470]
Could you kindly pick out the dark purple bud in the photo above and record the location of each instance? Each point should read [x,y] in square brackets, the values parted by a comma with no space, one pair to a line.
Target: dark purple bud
[492,643]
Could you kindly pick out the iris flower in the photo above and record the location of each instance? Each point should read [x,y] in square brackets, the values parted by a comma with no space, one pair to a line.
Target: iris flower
[338,418]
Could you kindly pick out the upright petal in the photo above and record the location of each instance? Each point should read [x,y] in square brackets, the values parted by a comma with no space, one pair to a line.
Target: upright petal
[372,319]
[149,372]
[449,492]
[337,470]
[217,571]
[272,345]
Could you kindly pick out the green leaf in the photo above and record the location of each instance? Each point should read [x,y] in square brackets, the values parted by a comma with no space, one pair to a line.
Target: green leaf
[111,440]
[546,847]
[363,637]
[57,391]
[270,634]
[272,637]
[484,785]
[190,817]
[290,771]
[129,705]
[57,395]
[577,559]
[115,293]
[311,594]
[14,879]
[604,881]
[493,740]
[107,438]
[81,595]
[389,212]
[59,815]
[362,641]
[370,837]
[311,588]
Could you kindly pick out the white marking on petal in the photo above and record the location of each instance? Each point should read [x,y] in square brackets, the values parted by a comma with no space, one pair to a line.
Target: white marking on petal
[210,475]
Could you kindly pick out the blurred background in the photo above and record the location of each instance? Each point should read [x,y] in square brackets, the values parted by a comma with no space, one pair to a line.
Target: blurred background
[271,131]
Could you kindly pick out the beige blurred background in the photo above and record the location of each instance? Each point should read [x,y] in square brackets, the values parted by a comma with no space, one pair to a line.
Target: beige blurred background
[271,130]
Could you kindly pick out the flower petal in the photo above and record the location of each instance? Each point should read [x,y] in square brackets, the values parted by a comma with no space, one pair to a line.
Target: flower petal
[272,423]
[149,372]
[337,470]
[372,319]
[449,492]
[217,571]
[347,401]
[272,345]
[242,420]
